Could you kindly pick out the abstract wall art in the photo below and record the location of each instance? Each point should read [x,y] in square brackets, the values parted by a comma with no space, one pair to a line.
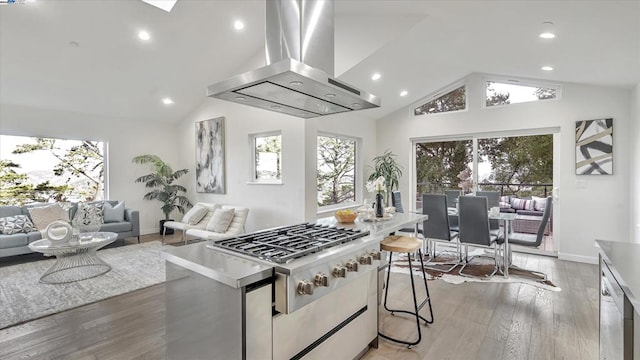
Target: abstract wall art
[594,147]
[210,156]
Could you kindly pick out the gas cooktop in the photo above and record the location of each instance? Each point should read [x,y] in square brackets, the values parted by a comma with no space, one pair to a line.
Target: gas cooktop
[284,244]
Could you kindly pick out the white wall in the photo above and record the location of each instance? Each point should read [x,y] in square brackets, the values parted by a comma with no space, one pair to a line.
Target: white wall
[600,210]
[270,205]
[635,164]
[125,139]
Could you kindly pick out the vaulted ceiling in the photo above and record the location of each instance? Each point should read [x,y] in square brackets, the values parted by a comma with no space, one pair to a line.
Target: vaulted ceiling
[418,46]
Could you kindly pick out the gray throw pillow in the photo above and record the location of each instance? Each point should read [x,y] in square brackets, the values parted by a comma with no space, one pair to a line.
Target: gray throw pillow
[113,213]
[195,214]
[15,224]
[220,220]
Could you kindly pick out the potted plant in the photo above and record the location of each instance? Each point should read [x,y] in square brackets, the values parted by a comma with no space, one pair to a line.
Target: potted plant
[385,166]
[161,180]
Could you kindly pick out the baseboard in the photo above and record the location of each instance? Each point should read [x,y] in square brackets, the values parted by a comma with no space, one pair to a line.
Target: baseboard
[578,258]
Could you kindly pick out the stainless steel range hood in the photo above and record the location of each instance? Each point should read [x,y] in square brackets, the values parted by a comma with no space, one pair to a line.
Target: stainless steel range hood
[300,53]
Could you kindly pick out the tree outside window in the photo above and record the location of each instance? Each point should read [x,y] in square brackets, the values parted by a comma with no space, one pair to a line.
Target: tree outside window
[336,180]
[48,170]
[452,101]
[268,158]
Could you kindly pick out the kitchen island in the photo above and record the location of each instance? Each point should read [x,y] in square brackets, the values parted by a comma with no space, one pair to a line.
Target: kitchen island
[619,300]
[221,304]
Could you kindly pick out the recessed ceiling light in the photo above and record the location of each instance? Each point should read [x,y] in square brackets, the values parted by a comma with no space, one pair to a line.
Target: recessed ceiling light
[74,43]
[375,76]
[547,68]
[144,35]
[548,30]
[330,95]
[240,98]
[356,105]
[296,83]
[238,25]
[167,101]
[276,107]
[403,93]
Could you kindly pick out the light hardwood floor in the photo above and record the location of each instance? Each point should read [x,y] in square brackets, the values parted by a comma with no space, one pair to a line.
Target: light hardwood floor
[472,321]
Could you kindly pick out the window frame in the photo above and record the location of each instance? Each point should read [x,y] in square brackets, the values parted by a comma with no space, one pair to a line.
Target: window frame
[252,150]
[358,173]
[517,82]
[441,92]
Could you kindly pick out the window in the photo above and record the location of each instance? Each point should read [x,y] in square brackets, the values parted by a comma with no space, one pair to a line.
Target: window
[50,170]
[452,101]
[267,156]
[439,163]
[502,93]
[336,179]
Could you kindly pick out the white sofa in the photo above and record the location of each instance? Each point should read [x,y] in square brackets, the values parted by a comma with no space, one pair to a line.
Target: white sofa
[200,231]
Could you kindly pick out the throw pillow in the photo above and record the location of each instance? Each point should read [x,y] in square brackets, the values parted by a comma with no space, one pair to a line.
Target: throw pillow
[15,224]
[220,220]
[505,199]
[42,216]
[522,204]
[89,213]
[539,203]
[195,214]
[113,213]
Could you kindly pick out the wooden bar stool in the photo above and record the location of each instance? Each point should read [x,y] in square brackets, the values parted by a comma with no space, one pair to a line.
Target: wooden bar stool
[408,245]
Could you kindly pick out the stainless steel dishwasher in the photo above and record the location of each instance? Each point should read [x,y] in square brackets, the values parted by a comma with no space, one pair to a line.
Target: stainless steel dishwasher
[616,318]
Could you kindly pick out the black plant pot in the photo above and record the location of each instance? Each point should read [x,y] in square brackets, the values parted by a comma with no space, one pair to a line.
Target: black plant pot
[169,230]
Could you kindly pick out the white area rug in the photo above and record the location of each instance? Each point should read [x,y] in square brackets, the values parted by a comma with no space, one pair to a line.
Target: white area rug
[479,267]
[24,298]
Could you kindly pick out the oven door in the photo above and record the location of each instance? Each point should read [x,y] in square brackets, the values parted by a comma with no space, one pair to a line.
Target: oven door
[616,319]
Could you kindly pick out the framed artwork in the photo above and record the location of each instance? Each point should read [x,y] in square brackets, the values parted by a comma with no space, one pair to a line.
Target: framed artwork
[594,147]
[210,156]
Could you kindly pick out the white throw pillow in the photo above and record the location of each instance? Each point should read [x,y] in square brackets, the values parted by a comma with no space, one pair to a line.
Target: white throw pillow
[195,214]
[89,214]
[42,216]
[113,213]
[539,203]
[220,220]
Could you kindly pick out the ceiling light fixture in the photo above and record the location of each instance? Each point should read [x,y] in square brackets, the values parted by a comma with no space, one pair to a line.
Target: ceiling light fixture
[74,43]
[376,76]
[167,101]
[403,93]
[547,68]
[238,25]
[144,35]
[548,30]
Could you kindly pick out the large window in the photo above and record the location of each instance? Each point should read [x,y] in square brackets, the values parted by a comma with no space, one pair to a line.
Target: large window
[267,152]
[336,180]
[439,163]
[48,170]
[453,100]
[503,93]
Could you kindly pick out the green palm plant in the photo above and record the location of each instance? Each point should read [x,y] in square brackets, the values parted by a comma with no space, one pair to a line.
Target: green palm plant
[162,182]
[385,165]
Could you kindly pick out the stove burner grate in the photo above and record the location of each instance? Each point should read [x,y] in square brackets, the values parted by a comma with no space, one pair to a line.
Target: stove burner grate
[284,244]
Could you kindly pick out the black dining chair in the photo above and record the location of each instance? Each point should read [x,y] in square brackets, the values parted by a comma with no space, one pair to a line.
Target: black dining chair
[396,201]
[436,229]
[475,232]
[533,240]
[493,200]
[452,200]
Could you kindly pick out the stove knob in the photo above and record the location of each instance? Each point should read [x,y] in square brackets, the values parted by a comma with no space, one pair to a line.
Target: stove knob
[375,255]
[352,265]
[365,259]
[321,280]
[339,271]
[305,287]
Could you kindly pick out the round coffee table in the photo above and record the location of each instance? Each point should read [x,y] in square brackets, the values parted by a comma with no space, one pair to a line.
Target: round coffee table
[76,260]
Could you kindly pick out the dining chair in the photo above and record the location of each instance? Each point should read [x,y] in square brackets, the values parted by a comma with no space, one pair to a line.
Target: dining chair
[436,228]
[493,200]
[452,200]
[475,232]
[396,201]
[533,240]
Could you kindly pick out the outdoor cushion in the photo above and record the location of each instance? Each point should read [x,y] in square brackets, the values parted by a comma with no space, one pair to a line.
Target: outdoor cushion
[111,213]
[539,203]
[522,204]
[530,212]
